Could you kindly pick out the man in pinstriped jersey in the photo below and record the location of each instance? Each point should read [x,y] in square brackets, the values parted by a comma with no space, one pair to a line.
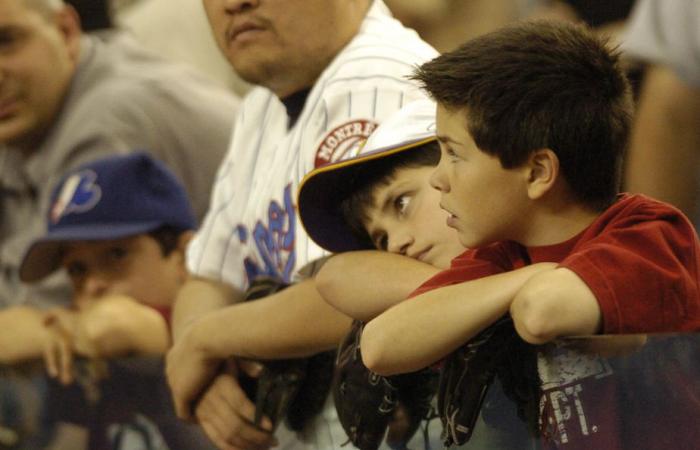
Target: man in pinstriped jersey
[328,72]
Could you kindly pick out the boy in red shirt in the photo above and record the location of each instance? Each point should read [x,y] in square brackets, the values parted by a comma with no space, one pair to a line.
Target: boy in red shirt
[532,122]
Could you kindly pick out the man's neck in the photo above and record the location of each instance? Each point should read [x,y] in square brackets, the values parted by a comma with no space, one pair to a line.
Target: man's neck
[312,70]
[26,145]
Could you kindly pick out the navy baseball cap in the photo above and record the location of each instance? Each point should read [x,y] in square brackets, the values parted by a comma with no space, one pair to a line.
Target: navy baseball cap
[110,198]
[323,189]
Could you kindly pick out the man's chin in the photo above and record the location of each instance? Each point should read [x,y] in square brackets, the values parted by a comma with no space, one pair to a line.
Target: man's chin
[15,133]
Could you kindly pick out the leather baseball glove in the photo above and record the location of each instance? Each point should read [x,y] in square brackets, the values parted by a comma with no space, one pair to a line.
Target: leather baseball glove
[369,404]
[293,388]
[466,376]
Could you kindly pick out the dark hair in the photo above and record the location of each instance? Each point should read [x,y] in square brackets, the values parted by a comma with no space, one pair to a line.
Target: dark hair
[539,85]
[355,208]
[167,237]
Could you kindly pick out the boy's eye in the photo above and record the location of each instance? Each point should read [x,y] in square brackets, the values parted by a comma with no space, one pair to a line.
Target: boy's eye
[8,39]
[75,269]
[381,241]
[116,253]
[401,203]
[451,153]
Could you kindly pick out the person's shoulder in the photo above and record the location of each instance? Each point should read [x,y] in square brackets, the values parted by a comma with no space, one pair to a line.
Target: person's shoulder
[382,47]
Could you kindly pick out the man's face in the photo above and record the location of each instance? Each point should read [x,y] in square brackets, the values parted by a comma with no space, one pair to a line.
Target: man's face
[38,57]
[406,219]
[271,40]
[486,202]
[134,267]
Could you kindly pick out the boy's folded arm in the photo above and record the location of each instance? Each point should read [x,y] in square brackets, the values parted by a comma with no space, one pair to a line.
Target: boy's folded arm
[363,284]
[197,297]
[117,326]
[554,304]
[420,331]
[22,334]
[294,322]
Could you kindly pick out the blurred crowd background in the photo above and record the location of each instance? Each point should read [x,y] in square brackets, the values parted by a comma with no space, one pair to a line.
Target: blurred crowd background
[178,28]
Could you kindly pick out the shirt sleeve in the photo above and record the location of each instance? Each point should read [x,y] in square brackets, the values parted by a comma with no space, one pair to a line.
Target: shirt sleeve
[643,271]
[471,265]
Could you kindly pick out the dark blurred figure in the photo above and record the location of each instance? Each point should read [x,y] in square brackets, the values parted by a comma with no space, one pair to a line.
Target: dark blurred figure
[94,14]
[600,12]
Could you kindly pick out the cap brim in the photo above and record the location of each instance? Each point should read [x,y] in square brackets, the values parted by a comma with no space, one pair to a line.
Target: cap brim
[44,255]
[322,191]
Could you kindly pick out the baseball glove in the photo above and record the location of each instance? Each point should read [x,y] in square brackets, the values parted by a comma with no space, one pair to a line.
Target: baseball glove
[368,404]
[293,388]
[466,376]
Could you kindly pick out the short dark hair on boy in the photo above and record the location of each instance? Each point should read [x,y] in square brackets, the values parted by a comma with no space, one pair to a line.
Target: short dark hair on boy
[355,208]
[167,237]
[536,85]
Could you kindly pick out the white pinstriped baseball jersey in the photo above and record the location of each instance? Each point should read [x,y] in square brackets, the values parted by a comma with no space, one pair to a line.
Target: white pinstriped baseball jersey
[252,227]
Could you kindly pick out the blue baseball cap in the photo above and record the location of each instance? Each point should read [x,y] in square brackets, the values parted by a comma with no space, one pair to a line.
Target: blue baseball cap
[323,189]
[110,198]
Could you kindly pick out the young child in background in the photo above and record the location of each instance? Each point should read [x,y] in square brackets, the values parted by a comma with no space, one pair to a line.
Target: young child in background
[119,227]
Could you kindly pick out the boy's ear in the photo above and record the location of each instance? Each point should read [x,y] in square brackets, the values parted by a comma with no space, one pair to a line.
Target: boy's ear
[543,171]
[184,239]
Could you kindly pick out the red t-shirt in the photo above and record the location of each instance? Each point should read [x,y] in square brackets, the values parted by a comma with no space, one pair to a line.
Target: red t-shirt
[640,258]
[165,312]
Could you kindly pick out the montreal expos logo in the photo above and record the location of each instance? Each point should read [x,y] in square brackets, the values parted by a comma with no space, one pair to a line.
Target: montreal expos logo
[78,194]
[273,241]
[342,139]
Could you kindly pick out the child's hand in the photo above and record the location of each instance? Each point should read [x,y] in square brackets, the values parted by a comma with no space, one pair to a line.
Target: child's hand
[59,347]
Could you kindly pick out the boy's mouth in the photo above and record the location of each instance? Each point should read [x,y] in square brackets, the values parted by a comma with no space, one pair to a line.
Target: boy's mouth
[449,213]
[421,255]
[451,218]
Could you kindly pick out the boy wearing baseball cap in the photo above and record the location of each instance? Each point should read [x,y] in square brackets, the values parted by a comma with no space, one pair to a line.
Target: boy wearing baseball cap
[380,216]
[119,227]
[380,200]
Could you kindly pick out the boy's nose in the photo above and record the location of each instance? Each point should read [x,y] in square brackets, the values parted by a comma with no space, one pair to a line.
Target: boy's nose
[94,286]
[235,6]
[399,242]
[438,179]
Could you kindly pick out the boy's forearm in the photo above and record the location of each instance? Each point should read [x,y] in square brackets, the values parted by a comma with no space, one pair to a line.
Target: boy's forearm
[295,322]
[22,334]
[420,331]
[363,284]
[198,297]
[118,326]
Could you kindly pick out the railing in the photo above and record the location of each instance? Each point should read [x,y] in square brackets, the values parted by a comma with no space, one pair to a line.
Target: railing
[600,393]
[118,405]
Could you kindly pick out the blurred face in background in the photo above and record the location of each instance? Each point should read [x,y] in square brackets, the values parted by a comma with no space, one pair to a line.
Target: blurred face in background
[134,267]
[39,49]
